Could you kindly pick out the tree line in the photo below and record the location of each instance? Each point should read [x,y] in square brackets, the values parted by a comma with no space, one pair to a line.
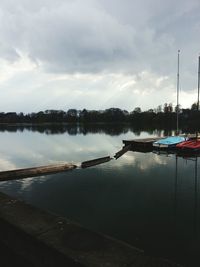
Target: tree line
[83,128]
[162,116]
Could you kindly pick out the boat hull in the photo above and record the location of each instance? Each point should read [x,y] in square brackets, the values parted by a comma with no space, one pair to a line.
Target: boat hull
[191,145]
[169,142]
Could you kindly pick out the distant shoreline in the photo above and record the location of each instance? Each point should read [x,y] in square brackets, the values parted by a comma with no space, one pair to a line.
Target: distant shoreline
[157,118]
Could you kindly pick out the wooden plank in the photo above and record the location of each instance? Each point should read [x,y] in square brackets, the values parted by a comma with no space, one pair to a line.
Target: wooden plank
[36,171]
[122,151]
[94,162]
[141,141]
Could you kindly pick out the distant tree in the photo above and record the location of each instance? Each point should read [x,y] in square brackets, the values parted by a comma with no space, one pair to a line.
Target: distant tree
[194,106]
[177,107]
[114,114]
[83,115]
[125,112]
[137,110]
[170,108]
[72,112]
[72,115]
[165,108]
[186,113]
[159,109]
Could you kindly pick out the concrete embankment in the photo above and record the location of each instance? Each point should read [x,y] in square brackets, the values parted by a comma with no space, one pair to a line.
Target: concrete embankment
[38,238]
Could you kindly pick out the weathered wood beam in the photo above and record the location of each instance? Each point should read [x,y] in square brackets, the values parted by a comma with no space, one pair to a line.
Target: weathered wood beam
[94,162]
[36,171]
[122,151]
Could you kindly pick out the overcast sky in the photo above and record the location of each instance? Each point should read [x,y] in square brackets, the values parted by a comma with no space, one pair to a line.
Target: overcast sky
[96,54]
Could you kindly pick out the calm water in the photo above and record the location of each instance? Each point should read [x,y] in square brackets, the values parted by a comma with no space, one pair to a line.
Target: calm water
[150,201]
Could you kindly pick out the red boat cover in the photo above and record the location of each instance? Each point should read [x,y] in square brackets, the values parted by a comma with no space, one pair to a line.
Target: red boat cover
[191,144]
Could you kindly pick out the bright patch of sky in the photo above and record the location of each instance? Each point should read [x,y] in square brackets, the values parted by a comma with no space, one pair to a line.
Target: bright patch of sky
[97,54]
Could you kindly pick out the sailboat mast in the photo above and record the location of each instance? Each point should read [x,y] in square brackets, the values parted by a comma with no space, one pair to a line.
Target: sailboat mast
[198,83]
[177,109]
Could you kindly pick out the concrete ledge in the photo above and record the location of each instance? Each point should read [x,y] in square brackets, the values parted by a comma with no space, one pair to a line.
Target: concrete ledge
[43,239]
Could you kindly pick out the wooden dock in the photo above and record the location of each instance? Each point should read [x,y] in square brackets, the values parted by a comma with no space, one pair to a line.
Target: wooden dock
[148,142]
[141,143]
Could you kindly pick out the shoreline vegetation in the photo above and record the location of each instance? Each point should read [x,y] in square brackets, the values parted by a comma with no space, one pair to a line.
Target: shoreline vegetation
[160,118]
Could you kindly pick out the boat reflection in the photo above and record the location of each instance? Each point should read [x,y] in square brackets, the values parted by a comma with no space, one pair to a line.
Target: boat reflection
[194,159]
[182,159]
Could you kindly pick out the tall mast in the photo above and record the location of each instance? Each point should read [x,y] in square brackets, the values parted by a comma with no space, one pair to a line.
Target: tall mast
[177,109]
[198,92]
[198,83]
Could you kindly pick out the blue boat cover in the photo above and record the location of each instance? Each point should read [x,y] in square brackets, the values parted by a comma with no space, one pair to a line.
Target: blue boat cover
[170,141]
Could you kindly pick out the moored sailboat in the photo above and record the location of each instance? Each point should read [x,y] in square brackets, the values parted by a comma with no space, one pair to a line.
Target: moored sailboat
[172,141]
[189,146]
[169,142]
[192,145]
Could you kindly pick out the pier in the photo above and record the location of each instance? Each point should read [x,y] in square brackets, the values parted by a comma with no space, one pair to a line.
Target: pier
[32,237]
[141,143]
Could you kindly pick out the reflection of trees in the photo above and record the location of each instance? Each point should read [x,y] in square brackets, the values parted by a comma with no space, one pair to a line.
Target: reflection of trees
[84,128]
[152,118]
[71,129]
[112,121]
[167,132]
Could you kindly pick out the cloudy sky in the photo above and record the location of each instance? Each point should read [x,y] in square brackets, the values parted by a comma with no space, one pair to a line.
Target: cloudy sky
[96,54]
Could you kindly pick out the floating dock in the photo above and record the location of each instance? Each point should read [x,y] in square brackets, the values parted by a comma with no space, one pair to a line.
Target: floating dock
[141,143]
[146,145]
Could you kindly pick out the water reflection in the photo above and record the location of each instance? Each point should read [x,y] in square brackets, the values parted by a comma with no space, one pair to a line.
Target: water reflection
[112,129]
[148,200]
[28,148]
[194,177]
[194,216]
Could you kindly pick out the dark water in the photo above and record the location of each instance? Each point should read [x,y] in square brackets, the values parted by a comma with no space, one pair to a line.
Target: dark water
[150,201]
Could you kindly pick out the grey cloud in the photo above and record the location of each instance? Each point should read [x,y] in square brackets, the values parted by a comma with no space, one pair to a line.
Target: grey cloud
[101,36]
[70,37]
[8,53]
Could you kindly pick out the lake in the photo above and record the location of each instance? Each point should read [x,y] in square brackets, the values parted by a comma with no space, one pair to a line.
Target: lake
[148,200]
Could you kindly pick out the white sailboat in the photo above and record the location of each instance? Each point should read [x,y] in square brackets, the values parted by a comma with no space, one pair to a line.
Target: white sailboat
[192,145]
[172,141]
